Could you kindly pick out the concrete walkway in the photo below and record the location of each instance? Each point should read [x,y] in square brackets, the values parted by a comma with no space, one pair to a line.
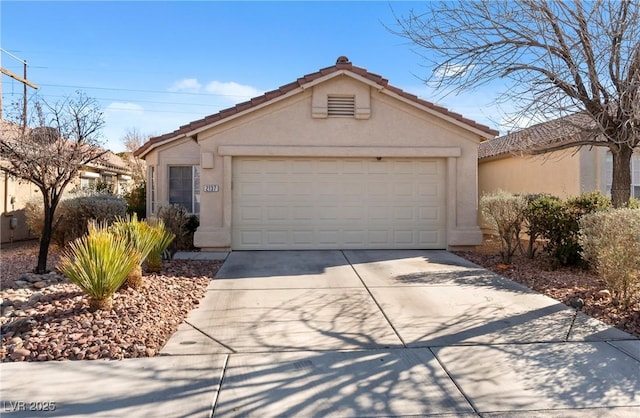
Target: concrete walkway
[354,334]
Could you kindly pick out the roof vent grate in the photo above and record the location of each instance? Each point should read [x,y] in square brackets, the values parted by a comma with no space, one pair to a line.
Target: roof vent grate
[341,106]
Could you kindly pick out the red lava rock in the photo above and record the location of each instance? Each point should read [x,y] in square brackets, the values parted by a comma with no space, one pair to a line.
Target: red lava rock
[20,354]
[63,328]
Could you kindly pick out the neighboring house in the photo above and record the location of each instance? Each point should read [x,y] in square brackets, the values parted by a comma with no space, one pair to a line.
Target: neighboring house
[506,162]
[336,159]
[15,193]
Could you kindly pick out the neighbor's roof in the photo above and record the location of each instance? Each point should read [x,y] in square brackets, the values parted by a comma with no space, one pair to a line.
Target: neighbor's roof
[342,64]
[562,130]
[108,161]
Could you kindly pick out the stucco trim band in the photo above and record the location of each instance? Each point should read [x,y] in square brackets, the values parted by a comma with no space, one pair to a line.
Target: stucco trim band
[306,151]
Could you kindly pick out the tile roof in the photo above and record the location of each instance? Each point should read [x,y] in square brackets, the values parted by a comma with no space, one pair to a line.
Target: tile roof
[109,160]
[342,64]
[562,130]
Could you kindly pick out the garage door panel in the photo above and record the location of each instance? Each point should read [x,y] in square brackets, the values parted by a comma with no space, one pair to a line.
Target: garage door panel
[302,237]
[404,213]
[429,214]
[328,203]
[278,213]
[250,213]
[277,237]
[302,213]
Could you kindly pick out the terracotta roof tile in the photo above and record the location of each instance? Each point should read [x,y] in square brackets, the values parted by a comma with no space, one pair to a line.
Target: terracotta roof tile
[108,160]
[536,137]
[342,64]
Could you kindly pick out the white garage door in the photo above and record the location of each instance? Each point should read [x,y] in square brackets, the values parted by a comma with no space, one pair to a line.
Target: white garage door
[338,203]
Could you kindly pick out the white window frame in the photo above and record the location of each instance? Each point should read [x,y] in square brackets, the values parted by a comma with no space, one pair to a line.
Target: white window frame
[195,187]
[635,174]
[151,189]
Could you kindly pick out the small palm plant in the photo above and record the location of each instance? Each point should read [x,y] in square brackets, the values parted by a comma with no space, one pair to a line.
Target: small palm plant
[154,259]
[140,236]
[99,263]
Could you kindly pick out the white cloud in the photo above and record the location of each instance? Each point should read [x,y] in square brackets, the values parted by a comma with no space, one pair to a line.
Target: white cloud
[191,85]
[453,70]
[235,91]
[123,107]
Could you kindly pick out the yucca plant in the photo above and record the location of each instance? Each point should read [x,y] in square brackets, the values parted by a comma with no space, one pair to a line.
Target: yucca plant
[99,263]
[154,259]
[142,238]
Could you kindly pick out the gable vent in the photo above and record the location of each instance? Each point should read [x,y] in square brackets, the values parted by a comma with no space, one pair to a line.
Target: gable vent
[341,106]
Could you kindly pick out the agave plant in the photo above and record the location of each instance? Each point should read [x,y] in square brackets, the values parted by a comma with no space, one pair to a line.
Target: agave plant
[99,263]
[154,259]
[140,236]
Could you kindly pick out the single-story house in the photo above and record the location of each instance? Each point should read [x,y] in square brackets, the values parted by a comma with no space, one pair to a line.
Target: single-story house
[337,159]
[15,193]
[513,162]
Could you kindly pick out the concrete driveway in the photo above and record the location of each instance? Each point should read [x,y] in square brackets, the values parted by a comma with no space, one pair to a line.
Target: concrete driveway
[362,334]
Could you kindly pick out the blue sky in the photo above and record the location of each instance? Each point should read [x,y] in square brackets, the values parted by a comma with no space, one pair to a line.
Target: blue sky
[155,66]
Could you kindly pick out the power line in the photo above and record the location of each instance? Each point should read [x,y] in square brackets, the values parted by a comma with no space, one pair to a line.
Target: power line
[135,100]
[145,91]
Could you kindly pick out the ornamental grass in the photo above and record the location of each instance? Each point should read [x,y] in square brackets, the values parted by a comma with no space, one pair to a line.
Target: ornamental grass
[99,264]
[140,236]
[154,259]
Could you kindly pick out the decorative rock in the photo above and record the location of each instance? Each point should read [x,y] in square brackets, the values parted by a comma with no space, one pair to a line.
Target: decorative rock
[20,325]
[603,294]
[20,353]
[15,341]
[40,285]
[8,310]
[35,298]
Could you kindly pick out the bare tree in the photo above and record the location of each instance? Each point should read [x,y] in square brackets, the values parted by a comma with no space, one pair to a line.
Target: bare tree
[557,58]
[132,140]
[60,139]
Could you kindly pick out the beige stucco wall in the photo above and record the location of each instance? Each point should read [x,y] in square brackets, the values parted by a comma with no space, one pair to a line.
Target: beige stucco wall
[384,126]
[565,173]
[13,196]
[557,173]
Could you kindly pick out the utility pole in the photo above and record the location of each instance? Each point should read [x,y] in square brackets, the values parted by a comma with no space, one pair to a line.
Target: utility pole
[24,82]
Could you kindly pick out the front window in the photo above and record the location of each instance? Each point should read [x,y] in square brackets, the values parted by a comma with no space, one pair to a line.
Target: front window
[184,187]
[635,174]
[87,183]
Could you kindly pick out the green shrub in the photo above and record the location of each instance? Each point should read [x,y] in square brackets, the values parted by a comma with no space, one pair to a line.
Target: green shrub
[154,259]
[535,215]
[610,242]
[99,263]
[503,211]
[140,236]
[182,224]
[137,201]
[588,203]
[633,203]
[557,223]
[73,214]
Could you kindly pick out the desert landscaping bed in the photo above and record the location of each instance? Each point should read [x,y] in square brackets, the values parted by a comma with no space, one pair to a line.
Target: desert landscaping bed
[45,317]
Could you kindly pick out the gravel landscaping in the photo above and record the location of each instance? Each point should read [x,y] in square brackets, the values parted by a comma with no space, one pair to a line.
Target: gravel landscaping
[45,317]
